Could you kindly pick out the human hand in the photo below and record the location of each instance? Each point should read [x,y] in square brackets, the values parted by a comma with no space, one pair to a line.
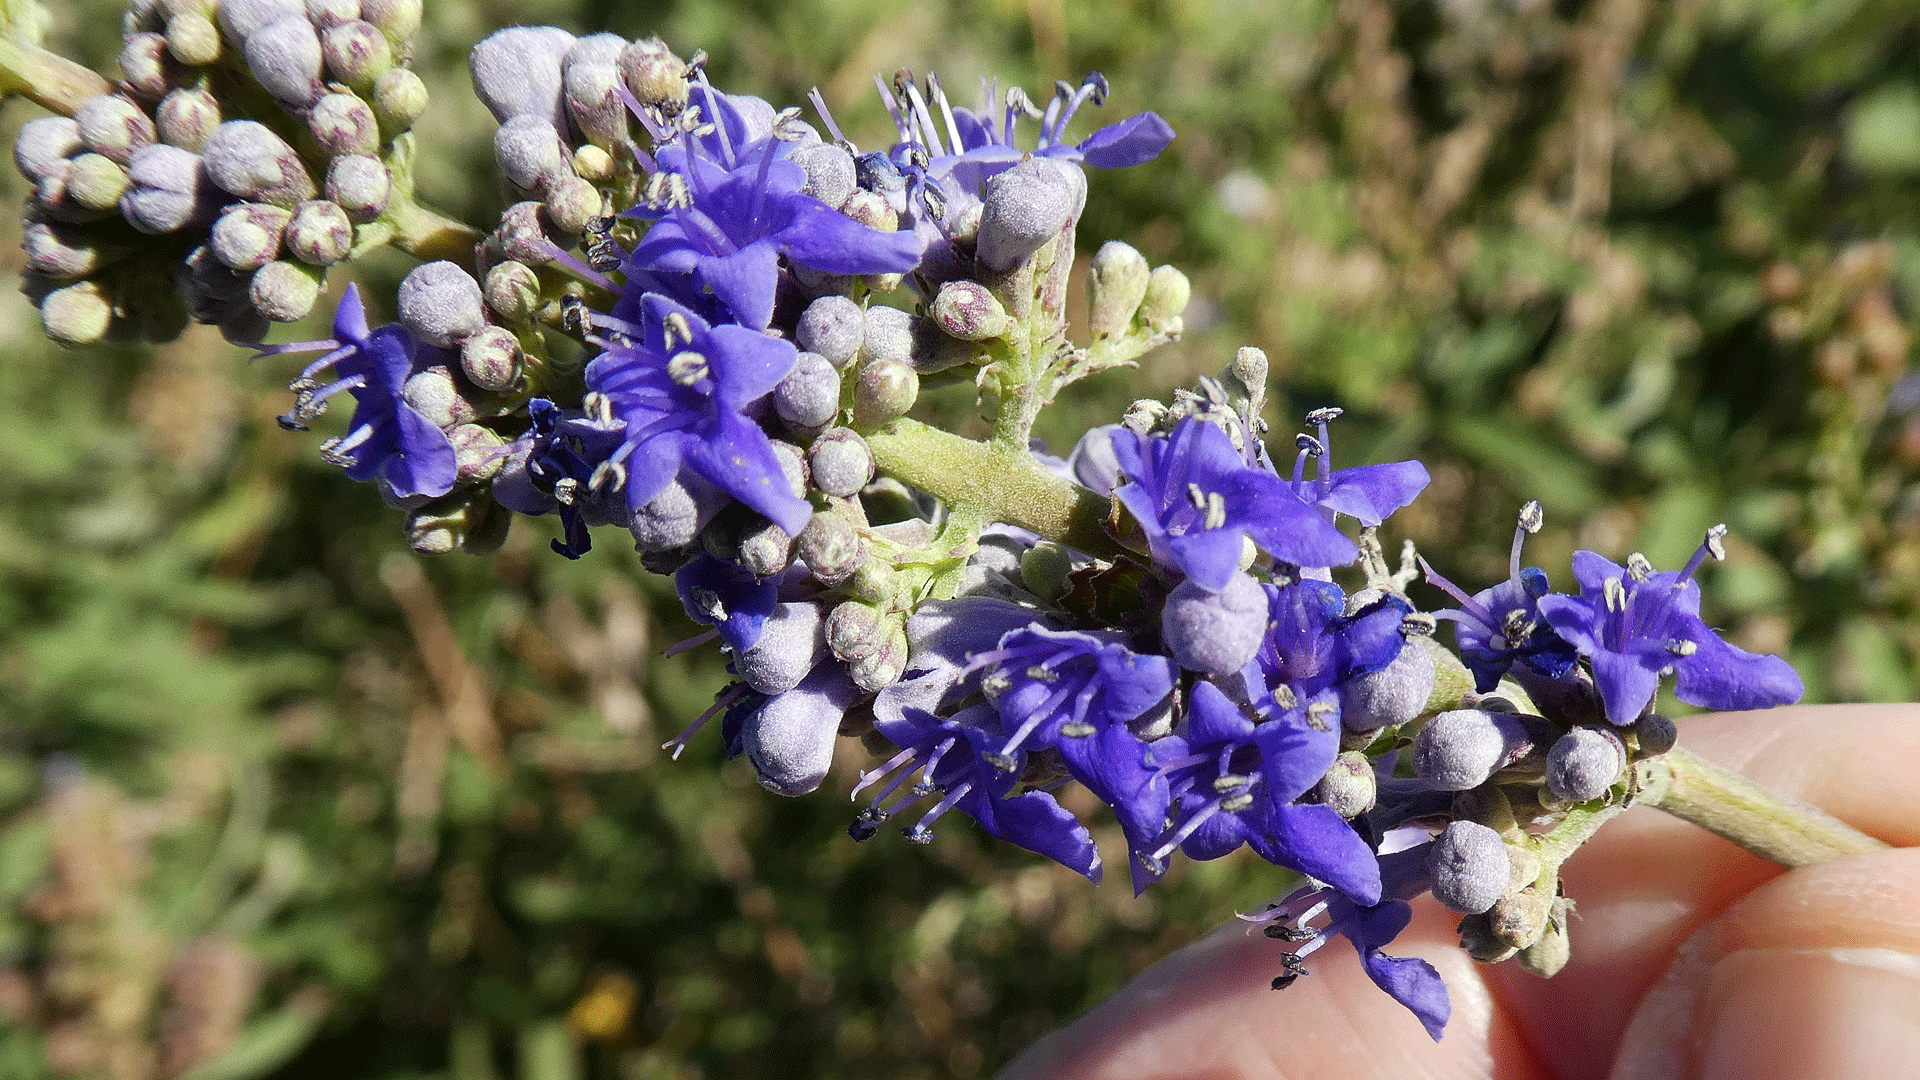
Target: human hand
[1691,958]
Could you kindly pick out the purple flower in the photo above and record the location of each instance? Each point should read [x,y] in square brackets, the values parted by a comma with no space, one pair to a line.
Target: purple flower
[564,468]
[387,439]
[681,387]
[1311,645]
[1501,626]
[1634,625]
[1367,493]
[727,598]
[1198,501]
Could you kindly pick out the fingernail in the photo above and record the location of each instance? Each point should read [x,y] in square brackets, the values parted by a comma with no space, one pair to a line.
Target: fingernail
[1791,1013]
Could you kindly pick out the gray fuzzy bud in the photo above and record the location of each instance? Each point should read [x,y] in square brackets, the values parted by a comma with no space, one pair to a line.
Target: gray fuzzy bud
[343,124]
[477,453]
[490,359]
[168,191]
[1245,377]
[356,54]
[332,12]
[675,517]
[43,145]
[790,740]
[399,97]
[61,253]
[841,462]
[512,291]
[248,236]
[883,392]
[573,204]
[285,291]
[968,311]
[594,102]
[764,550]
[78,314]
[516,72]
[522,234]
[319,233]
[830,172]
[193,39]
[1470,867]
[871,210]
[432,394]
[831,547]
[1655,734]
[246,159]
[440,304]
[398,19]
[242,18]
[1116,283]
[284,57]
[530,152]
[792,642]
[147,69]
[1348,788]
[1024,207]
[834,327]
[186,117]
[1393,695]
[113,126]
[1215,633]
[1460,749]
[854,630]
[883,667]
[1584,763]
[808,397]
[96,182]
[1167,294]
[360,185]
[595,49]
[889,335]
[654,74]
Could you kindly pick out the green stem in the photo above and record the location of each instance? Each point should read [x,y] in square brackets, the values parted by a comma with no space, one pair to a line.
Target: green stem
[1774,827]
[53,82]
[425,234]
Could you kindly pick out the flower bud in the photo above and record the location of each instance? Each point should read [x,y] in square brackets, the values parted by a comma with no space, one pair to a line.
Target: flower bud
[841,462]
[247,236]
[319,233]
[831,547]
[1167,294]
[1116,284]
[516,72]
[1459,750]
[244,326]
[440,304]
[512,291]
[888,336]
[329,13]
[834,327]
[343,124]
[211,289]
[1470,867]
[1655,734]
[359,185]
[883,667]
[530,152]
[790,740]
[96,182]
[883,393]
[193,39]
[1215,633]
[792,642]
[284,57]
[593,100]
[477,453]
[1043,568]
[830,173]
[1391,696]
[147,70]
[470,521]
[433,395]
[870,210]
[594,164]
[1547,956]
[61,253]
[78,314]
[966,310]
[677,516]
[242,18]
[1584,763]
[356,54]
[573,204]
[654,74]
[763,550]
[167,192]
[43,145]
[1245,377]
[113,126]
[398,19]
[854,630]
[808,397]
[1348,788]
[186,117]
[1520,918]
[490,359]
[285,291]
[522,234]
[246,159]
[1024,207]
[399,97]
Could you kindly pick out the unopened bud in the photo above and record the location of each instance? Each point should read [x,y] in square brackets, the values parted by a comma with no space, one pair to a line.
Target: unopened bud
[78,314]
[594,103]
[573,204]
[471,522]
[677,516]
[834,327]
[167,192]
[854,630]
[516,72]
[243,18]
[114,126]
[530,152]
[343,124]
[398,19]
[1470,867]
[1116,283]
[654,74]
[1547,956]
[356,54]
[882,667]
[147,70]
[831,547]
[966,310]
[399,97]
[285,291]
[1245,378]
[359,185]
[830,172]
[96,182]
[522,234]
[490,359]
[808,397]
[1655,734]
[319,233]
[593,163]
[43,145]
[790,740]
[246,159]
[193,39]
[432,394]
[764,550]
[1167,294]
[792,642]
[883,393]
[1584,763]
[284,57]
[326,13]
[1215,633]
[186,117]
[1459,750]
[477,453]
[512,291]
[61,253]
[248,236]
[1044,568]
[1391,696]
[870,210]
[841,462]
[1348,788]
[1024,208]
[441,304]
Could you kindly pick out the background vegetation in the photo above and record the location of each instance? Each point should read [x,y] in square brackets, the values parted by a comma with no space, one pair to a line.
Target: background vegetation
[279,799]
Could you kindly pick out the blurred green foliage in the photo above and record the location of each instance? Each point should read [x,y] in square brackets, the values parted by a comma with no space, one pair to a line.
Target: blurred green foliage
[278,799]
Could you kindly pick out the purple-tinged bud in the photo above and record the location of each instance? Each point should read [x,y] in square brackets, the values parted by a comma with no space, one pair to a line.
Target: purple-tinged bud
[1470,867]
[530,152]
[512,291]
[246,159]
[841,462]
[870,210]
[169,191]
[1024,208]
[883,392]
[78,314]
[114,126]
[808,397]
[193,39]
[1460,749]
[1215,633]
[432,394]
[96,182]
[63,254]
[888,336]
[186,117]
[1391,696]
[764,550]
[1167,294]
[247,237]
[522,234]
[1245,381]
[470,521]
[147,70]
[966,310]
[242,18]
[831,547]
[43,145]
[854,630]
[793,466]
[398,19]
[883,667]
[332,12]
[1116,283]
[792,643]
[1520,918]
[343,124]
[284,57]
[595,49]
[1348,788]
[360,185]
[830,173]
[202,275]
[440,304]
[516,72]
[790,740]
[399,97]
[356,53]
[594,102]
[676,516]
[319,233]
[654,74]
[573,204]
[285,291]
[1654,734]
[834,327]
[477,453]
[1584,763]
[490,359]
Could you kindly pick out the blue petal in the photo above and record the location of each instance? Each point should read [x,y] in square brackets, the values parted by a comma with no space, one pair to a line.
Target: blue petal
[1412,982]
[1369,493]
[829,241]
[1136,139]
[423,461]
[737,457]
[1036,822]
[1317,842]
[1626,682]
[745,601]
[745,281]
[1723,676]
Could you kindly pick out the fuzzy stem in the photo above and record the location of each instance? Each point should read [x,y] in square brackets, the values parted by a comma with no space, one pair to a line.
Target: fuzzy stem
[421,232]
[53,82]
[1774,827]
